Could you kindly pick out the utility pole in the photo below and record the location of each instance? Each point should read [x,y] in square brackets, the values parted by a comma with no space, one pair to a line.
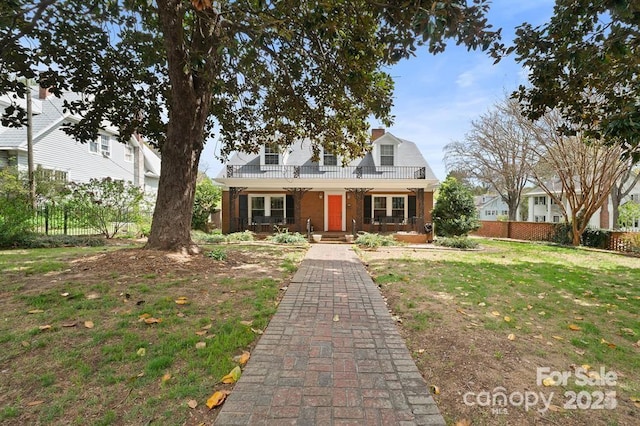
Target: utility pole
[30,168]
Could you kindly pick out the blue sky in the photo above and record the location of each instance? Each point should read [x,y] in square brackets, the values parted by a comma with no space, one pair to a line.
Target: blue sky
[437,96]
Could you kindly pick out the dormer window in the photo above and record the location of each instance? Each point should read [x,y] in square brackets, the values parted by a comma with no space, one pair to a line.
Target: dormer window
[271,156]
[386,155]
[329,159]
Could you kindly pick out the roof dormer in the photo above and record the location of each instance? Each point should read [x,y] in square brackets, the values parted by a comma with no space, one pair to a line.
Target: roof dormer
[385,151]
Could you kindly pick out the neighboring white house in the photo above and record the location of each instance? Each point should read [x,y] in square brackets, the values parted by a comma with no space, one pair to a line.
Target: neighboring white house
[491,207]
[63,158]
[542,208]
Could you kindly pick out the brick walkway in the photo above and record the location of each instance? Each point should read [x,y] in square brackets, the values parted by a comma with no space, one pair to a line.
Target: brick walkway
[331,355]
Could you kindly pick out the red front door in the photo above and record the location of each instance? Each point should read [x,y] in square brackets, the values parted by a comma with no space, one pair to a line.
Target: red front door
[334,207]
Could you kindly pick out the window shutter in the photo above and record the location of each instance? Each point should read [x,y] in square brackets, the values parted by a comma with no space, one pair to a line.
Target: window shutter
[243,201]
[289,206]
[412,206]
[367,208]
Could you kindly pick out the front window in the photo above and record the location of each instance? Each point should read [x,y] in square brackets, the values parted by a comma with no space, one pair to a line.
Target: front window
[277,207]
[386,155]
[379,207]
[271,156]
[94,147]
[397,207]
[257,207]
[329,159]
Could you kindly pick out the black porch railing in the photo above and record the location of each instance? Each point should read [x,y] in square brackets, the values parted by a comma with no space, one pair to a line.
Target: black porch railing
[384,225]
[254,171]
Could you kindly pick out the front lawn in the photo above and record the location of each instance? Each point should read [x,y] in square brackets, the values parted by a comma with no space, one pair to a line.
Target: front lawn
[127,336]
[478,321]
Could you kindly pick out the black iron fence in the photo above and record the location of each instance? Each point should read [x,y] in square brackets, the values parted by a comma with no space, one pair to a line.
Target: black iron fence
[54,219]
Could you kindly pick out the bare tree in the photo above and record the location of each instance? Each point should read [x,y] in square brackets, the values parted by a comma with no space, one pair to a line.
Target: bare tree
[628,180]
[497,152]
[575,171]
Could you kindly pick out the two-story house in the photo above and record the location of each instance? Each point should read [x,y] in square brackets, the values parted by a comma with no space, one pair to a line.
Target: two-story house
[491,207]
[60,157]
[389,189]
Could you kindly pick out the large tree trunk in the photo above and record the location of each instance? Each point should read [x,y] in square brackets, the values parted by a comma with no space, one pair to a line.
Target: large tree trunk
[512,203]
[189,107]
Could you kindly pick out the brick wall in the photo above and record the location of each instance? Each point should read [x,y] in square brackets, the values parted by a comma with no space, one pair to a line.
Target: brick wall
[530,231]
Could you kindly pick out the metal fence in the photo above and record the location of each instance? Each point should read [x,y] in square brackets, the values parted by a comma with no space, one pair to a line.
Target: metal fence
[52,219]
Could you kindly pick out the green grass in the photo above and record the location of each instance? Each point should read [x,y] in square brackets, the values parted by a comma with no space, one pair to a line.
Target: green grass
[98,373]
[543,289]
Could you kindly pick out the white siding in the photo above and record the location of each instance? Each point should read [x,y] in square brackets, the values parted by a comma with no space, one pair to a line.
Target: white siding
[56,150]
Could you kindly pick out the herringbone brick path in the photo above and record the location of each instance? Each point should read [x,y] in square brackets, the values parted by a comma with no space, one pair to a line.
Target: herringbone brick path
[331,355]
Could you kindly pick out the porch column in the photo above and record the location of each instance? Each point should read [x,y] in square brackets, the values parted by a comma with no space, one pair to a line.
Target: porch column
[358,195]
[530,207]
[298,194]
[549,218]
[419,208]
[234,192]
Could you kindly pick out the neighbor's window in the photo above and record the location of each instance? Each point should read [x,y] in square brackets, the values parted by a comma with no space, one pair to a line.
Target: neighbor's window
[94,146]
[257,207]
[105,145]
[386,155]
[539,218]
[128,153]
[329,159]
[271,156]
[556,219]
[540,200]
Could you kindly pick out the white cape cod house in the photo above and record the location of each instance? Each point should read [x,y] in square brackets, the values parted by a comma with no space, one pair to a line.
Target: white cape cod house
[389,189]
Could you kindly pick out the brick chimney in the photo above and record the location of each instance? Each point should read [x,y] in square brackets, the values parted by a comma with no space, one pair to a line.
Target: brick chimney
[44,93]
[376,133]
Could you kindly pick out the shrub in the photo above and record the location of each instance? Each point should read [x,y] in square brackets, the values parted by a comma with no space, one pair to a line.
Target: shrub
[596,238]
[373,241]
[53,241]
[206,197]
[15,210]
[217,254]
[283,236]
[455,213]
[562,233]
[106,205]
[214,238]
[457,242]
[241,236]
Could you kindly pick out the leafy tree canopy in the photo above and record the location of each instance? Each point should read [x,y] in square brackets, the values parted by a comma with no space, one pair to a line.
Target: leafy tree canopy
[251,71]
[585,63]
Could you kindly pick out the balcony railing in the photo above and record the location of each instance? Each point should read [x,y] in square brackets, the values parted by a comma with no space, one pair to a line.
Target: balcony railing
[324,172]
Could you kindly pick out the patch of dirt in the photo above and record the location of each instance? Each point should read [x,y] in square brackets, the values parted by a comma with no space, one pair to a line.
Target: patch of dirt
[469,363]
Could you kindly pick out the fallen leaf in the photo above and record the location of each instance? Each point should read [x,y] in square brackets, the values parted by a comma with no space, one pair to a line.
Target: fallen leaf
[538,336]
[462,312]
[69,324]
[144,316]
[557,337]
[192,403]
[574,327]
[180,315]
[435,390]
[182,301]
[529,307]
[555,408]
[548,381]
[207,327]
[166,377]
[45,327]
[36,311]
[507,319]
[152,320]
[88,324]
[511,336]
[637,344]
[628,331]
[65,294]
[93,296]
[256,330]
[611,345]
[482,304]
[336,318]
[242,359]
[586,367]
[32,403]
[25,343]
[201,345]
[201,332]
[580,352]
[233,376]
[463,422]
[578,318]
[216,399]
[247,323]
[495,313]
[141,352]
[542,313]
